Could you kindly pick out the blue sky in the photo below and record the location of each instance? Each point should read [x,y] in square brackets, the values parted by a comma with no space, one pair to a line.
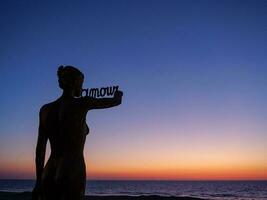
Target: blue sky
[187,68]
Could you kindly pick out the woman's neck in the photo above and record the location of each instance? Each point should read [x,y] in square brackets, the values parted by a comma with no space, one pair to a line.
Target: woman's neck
[68,94]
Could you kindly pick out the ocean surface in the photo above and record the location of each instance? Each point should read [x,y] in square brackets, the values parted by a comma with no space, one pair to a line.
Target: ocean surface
[223,190]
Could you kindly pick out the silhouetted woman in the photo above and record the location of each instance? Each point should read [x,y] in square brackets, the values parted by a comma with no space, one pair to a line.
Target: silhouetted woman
[63,123]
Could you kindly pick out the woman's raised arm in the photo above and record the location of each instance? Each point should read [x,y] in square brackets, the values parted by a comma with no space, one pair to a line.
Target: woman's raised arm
[93,103]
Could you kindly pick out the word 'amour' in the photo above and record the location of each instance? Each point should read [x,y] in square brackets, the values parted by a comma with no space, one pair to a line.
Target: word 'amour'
[96,92]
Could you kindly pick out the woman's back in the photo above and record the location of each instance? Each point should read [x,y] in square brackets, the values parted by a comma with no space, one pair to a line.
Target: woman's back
[64,123]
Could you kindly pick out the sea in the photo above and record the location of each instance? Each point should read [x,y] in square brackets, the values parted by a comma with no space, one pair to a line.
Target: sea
[223,190]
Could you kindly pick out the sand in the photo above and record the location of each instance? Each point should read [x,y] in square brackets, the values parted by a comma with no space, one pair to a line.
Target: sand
[27,196]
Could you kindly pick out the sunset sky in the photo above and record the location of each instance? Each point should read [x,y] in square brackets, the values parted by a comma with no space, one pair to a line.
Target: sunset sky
[193,73]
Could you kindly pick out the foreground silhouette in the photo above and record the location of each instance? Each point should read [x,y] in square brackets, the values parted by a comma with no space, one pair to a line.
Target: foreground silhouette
[63,123]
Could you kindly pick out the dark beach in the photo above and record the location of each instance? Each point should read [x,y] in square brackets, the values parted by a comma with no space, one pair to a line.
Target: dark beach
[27,196]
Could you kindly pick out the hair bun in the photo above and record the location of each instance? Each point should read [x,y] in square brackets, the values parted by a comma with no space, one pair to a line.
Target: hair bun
[60,70]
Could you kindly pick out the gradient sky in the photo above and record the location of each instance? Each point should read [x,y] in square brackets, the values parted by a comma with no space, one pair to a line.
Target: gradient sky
[194,76]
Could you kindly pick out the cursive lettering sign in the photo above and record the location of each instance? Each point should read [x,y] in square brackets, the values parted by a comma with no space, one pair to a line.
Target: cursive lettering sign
[96,92]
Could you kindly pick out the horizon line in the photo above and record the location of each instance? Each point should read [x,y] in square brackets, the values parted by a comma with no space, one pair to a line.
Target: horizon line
[1,179]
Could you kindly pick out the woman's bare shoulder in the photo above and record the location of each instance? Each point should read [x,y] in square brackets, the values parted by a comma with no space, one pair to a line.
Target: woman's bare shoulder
[48,106]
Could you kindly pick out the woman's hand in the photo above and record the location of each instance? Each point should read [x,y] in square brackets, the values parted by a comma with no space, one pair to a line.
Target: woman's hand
[118,96]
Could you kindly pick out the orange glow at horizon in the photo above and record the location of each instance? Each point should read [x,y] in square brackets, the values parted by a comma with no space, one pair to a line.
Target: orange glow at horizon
[253,172]
[163,159]
[182,172]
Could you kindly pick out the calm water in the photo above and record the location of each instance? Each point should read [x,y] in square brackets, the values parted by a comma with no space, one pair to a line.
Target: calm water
[224,190]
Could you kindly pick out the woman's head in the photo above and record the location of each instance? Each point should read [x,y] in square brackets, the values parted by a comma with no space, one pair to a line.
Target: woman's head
[70,79]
